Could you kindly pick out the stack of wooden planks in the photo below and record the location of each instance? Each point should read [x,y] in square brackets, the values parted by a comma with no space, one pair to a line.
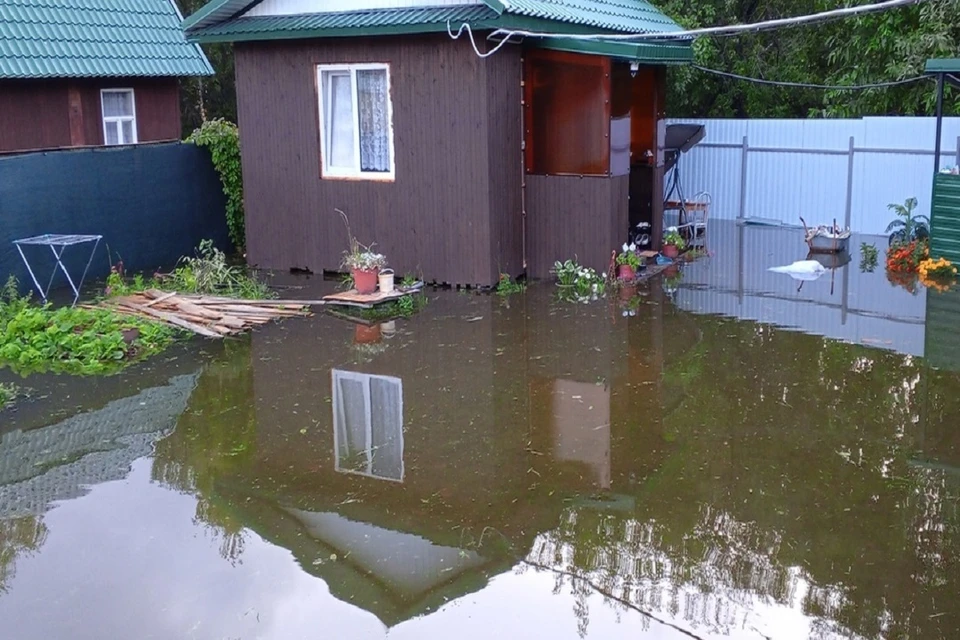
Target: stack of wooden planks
[210,316]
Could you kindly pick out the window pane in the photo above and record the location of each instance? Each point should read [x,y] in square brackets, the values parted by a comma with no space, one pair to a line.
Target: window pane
[112,131]
[117,103]
[127,131]
[387,428]
[339,120]
[351,425]
[374,120]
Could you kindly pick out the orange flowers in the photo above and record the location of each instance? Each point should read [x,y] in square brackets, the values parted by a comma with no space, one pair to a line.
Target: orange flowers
[906,258]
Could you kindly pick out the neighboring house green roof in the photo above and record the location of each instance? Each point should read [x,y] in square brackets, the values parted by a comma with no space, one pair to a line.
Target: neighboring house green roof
[221,21]
[95,38]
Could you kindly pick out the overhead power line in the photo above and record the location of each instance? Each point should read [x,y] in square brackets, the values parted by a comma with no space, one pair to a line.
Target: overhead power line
[807,85]
[726,30]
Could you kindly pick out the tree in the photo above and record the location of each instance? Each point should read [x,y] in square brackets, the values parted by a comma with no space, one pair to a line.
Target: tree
[892,45]
[207,98]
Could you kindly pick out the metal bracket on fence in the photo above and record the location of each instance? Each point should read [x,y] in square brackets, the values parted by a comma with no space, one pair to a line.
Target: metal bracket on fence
[58,244]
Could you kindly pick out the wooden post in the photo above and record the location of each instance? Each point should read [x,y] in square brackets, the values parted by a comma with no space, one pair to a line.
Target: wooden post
[75,115]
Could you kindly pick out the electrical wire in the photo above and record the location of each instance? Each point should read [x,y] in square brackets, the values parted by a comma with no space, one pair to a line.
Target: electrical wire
[807,85]
[725,30]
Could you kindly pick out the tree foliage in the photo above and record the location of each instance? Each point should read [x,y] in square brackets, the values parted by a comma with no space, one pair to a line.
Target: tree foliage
[869,49]
[222,138]
[211,97]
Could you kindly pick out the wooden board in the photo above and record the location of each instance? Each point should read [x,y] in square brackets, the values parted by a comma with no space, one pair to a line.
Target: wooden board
[352,298]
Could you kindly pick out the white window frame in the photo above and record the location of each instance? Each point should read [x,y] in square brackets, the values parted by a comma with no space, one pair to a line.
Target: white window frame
[354,173]
[115,120]
[339,418]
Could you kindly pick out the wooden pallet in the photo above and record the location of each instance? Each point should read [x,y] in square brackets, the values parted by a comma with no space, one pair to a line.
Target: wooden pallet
[353,298]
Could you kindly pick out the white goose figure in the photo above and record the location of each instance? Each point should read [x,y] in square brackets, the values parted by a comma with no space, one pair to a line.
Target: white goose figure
[802,270]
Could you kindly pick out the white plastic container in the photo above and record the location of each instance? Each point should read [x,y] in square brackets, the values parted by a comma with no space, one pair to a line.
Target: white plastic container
[386,280]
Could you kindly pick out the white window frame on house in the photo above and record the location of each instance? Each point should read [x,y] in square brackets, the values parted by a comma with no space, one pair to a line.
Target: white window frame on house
[117,121]
[341,428]
[354,172]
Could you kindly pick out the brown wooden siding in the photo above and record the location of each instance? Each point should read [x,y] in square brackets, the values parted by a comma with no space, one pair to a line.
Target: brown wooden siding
[505,140]
[446,214]
[33,115]
[570,217]
[46,114]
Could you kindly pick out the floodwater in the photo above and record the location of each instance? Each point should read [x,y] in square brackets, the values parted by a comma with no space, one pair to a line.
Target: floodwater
[518,468]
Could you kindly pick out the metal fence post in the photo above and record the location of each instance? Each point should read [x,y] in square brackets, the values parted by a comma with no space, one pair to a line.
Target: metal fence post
[849,207]
[957,159]
[743,179]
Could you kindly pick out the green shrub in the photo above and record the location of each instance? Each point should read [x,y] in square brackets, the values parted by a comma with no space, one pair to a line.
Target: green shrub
[222,138]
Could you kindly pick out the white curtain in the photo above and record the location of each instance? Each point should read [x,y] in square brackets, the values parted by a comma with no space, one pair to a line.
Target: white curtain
[374,125]
[339,120]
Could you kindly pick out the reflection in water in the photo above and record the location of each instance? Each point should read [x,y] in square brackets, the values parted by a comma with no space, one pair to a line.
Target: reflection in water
[580,473]
[368,424]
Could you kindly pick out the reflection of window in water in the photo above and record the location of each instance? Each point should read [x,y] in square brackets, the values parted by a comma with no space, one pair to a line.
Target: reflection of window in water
[368,424]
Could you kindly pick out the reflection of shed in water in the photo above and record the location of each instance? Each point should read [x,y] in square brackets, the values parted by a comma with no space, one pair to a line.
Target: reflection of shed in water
[459,431]
[435,153]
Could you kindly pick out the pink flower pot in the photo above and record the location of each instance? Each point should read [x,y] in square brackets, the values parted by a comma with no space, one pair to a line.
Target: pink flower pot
[670,251]
[365,281]
[626,272]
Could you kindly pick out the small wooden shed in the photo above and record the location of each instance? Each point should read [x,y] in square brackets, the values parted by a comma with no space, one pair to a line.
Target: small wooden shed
[458,166]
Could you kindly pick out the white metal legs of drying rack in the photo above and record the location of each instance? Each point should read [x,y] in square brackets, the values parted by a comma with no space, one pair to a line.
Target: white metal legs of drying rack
[58,244]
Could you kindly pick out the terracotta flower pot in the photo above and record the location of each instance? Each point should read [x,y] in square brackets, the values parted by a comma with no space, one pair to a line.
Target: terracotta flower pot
[626,272]
[366,335]
[670,251]
[671,271]
[365,281]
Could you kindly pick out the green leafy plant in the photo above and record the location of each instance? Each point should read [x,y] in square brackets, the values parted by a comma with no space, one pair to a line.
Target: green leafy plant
[209,272]
[8,393]
[506,286]
[673,237]
[869,256]
[73,340]
[408,281]
[907,227]
[404,307]
[222,139]
[628,257]
[578,283]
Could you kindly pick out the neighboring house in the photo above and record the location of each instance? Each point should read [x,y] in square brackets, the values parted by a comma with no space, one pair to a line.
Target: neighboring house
[90,72]
[457,166]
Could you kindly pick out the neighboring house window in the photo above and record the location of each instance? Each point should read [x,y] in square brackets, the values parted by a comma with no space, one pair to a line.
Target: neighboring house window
[368,425]
[119,116]
[356,121]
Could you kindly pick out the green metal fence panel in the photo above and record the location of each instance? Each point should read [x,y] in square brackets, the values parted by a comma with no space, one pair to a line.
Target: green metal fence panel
[152,203]
[942,346]
[945,218]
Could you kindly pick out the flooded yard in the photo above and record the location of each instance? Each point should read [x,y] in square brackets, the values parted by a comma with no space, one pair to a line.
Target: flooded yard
[709,467]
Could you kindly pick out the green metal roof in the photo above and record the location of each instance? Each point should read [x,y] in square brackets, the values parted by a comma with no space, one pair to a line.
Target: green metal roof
[622,16]
[625,16]
[95,38]
[943,65]
[371,22]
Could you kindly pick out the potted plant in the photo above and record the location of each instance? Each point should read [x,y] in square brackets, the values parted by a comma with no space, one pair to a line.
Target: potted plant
[673,243]
[363,263]
[365,268]
[628,262]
